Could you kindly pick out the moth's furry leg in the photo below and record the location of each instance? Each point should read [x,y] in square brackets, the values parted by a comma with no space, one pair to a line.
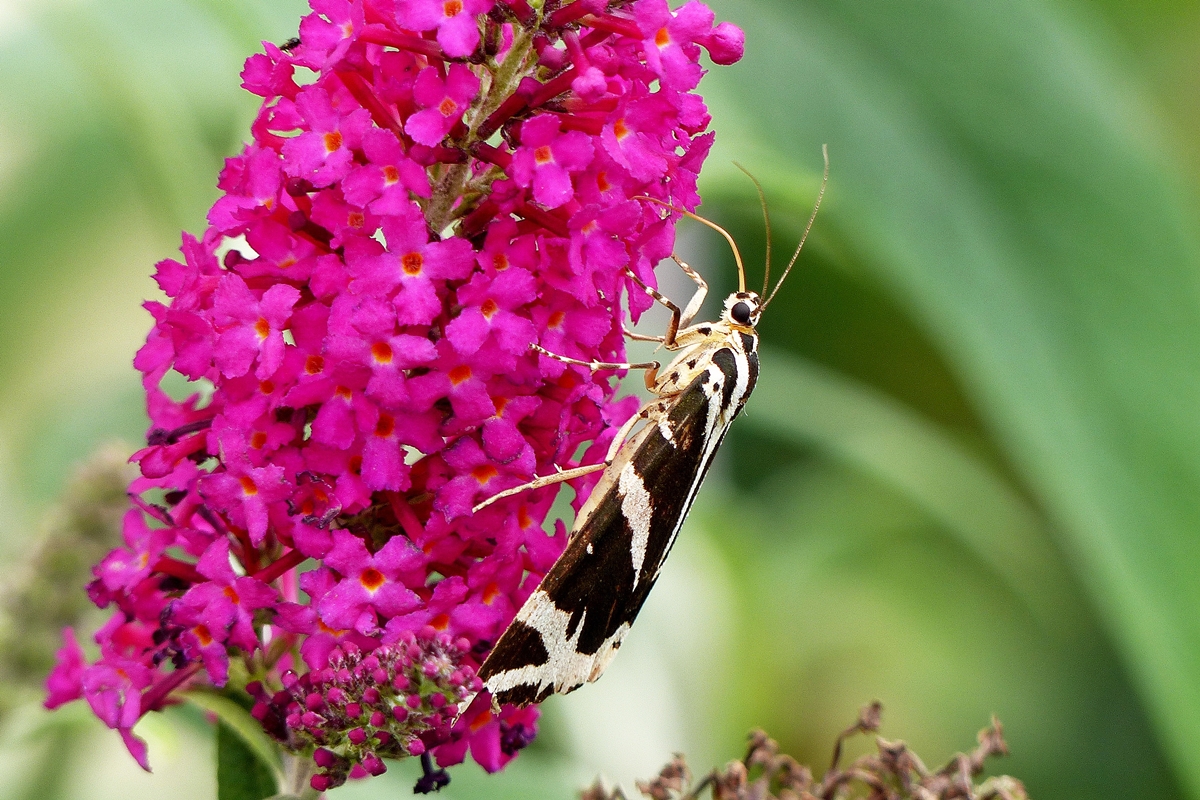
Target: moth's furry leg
[650,368]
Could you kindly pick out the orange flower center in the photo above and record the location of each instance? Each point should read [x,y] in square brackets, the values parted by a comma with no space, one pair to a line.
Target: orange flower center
[500,262]
[258,440]
[459,374]
[343,393]
[232,594]
[602,179]
[542,155]
[266,387]
[619,129]
[262,328]
[385,426]
[489,308]
[355,219]
[371,579]
[203,635]
[248,487]
[490,592]
[390,175]
[381,352]
[333,141]
[662,38]
[411,263]
[452,8]
[447,107]
[484,473]
[556,319]
[314,364]
[440,622]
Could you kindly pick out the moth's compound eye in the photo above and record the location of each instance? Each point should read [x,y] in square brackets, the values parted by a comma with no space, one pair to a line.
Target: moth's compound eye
[740,313]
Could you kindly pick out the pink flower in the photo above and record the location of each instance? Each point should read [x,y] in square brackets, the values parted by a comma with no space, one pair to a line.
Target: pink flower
[456,21]
[370,585]
[356,320]
[65,682]
[442,101]
[219,612]
[325,152]
[547,159]
[250,329]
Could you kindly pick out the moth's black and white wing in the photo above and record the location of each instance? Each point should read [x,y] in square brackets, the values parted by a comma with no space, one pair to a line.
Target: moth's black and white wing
[571,626]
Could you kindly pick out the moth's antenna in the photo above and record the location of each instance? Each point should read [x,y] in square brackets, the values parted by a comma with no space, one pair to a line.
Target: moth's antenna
[762,201]
[807,228]
[737,256]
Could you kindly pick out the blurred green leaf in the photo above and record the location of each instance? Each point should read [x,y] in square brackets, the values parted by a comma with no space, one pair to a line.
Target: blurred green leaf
[802,401]
[241,775]
[247,760]
[1000,180]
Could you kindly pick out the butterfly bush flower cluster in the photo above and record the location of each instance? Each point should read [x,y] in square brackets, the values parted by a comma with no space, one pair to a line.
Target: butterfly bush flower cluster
[432,187]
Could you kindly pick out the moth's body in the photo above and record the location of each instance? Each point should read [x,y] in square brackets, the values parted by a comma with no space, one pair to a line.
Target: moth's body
[571,626]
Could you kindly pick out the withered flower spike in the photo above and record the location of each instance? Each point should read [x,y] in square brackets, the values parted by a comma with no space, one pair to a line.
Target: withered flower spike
[895,772]
[868,722]
[671,782]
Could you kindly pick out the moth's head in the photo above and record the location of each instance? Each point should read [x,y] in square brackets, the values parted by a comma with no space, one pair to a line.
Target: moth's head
[742,309]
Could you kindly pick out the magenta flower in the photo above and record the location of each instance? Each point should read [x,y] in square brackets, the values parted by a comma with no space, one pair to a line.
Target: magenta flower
[547,159]
[65,682]
[250,330]
[456,183]
[389,179]
[220,612]
[325,152]
[371,586]
[442,101]
[456,21]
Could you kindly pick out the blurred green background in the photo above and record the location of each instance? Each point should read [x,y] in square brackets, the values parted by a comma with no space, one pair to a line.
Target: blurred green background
[968,483]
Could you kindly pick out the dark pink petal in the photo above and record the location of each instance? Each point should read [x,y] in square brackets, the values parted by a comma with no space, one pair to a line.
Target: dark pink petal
[65,681]
[468,331]
[451,259]
[573,151]
[551,186]
[417,303]
[459,35]
[725,44]
[428,126]
[136,747]
[383,465]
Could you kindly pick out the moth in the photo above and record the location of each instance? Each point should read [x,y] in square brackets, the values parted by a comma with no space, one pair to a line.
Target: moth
[570,628]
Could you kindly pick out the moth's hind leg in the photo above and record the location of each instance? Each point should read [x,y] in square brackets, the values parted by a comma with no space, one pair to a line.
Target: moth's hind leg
[641,337]
[578,472]
[538,483]
[649,368]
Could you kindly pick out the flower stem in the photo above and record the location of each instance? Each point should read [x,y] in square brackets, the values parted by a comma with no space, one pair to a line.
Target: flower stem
[441,211]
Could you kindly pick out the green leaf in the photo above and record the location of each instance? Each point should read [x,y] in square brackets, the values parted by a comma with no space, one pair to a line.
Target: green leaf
[248,762]
[812,405]
[998,179]
[241,775]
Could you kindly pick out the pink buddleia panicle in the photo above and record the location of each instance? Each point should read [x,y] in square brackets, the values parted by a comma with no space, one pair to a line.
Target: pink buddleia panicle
[433,186]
